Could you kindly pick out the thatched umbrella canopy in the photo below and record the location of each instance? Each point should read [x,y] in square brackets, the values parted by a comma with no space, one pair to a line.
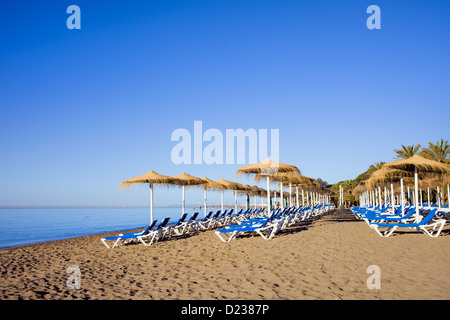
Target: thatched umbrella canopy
[424,166]
[386,175]
[293,178]
[254,191]
[305,183]
[211,185]
[360,188]
[442,182]
[184,180]
[151,178]
[268,168]
[230,185]
[263,192]
[249,191]
[315,186]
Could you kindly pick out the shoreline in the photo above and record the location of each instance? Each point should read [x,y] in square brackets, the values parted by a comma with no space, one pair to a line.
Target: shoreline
[325,258]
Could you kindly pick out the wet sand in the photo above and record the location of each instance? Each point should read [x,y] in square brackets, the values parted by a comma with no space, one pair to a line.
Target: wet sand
[325,258]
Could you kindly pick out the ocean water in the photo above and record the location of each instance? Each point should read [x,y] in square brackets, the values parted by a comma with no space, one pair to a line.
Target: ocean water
[26,226]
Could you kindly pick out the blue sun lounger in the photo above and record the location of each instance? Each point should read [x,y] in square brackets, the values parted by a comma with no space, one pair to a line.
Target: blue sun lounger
[211,222]
[427,225]
[186,226]
[203,222]
[154,235]
[127,237]
[171,229]
[371,218]
[150,227]
[266,230]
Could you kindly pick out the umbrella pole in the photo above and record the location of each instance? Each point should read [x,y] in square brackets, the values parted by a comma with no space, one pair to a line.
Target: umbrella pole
[421,199]
[290,194]
[281,195]
[392,198]
[376,197]
[182,202]
[296,192]
[379,196]
[268,195]
[416,193]
[221,199]
[151,202]
[205,202]
[235,201]
[303,198]
[438,198]
[448,196]
[402,194]
[428,196]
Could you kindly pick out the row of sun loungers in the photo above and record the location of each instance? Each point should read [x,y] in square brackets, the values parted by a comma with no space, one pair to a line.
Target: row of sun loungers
[249,221]
[268,226]
[385,220]
[156,232]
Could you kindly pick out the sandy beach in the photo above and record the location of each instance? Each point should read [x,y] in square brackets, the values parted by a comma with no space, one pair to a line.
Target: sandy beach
[326,258]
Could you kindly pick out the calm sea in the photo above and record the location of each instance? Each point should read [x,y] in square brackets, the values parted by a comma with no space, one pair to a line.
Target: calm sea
[25,226]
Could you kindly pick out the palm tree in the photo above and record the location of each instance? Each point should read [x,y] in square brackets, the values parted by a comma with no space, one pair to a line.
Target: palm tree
[348,184]
[439,151]
[407,151]
[378,165]
[374,167]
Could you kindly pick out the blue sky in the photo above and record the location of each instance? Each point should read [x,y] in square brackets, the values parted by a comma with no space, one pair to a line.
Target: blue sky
[83,110]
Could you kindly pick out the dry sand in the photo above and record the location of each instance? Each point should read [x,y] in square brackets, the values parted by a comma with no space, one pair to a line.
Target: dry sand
[326,258]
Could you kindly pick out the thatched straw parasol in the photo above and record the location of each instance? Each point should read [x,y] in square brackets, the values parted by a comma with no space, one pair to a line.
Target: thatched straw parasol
[386,175]
[360,188]
[423,165]
[211,185]
[230,185]
[267,168]
[309,183]
[151,178]
[254,191]
[293,178]
[419,164]
[184,180]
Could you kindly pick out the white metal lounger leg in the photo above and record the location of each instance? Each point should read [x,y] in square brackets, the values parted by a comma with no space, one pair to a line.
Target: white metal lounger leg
[225,238]
[115,244]
[387,232]
[153,236]
[271,232]
[433,232]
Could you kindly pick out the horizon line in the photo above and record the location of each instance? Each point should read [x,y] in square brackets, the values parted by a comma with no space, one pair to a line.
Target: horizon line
[106,207]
